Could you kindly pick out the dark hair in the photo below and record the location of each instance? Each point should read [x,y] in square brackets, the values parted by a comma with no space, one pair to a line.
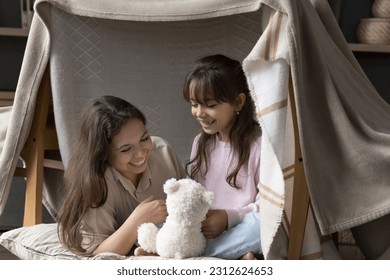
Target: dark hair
[221,78]
[85,186]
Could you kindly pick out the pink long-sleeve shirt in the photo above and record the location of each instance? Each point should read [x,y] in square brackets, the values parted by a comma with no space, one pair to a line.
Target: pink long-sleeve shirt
[236,202]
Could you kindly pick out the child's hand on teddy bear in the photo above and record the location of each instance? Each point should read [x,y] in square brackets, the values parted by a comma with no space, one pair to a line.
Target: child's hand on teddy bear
[215,223]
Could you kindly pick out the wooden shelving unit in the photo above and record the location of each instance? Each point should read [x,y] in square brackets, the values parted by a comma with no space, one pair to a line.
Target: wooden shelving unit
[369,48]
[12,30]
[17,32]
[6,98]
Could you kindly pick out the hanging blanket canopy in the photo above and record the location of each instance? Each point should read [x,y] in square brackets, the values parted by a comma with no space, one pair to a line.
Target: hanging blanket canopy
[141,50]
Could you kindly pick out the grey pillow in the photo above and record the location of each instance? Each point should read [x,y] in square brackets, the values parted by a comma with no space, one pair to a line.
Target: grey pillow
[41,242]
[38,242]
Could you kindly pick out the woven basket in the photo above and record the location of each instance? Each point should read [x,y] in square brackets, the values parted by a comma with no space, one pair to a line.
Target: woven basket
[381,8]
[374,31]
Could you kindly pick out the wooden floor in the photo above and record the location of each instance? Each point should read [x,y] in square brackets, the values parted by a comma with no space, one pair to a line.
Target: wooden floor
[6,255]
[347,246]
[351,252]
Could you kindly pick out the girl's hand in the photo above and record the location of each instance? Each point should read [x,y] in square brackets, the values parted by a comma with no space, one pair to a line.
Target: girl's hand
[215,223]
[150,211]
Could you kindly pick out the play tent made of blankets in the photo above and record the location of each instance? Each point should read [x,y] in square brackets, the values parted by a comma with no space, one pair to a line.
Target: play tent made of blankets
[322,120]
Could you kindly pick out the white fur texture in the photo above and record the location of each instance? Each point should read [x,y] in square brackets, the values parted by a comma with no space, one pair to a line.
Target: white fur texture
[180,237]
[147,237]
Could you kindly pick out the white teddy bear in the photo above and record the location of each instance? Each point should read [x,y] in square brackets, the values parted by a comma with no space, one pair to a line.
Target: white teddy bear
[180,237]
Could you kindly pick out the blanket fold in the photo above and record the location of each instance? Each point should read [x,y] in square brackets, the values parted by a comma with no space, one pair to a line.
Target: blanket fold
[343,122]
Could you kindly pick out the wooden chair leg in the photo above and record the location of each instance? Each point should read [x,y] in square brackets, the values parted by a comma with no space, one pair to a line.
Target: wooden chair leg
[33,155]
[301,199]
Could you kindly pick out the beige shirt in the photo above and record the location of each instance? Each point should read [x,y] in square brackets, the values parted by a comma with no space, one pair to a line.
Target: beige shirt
[123,197]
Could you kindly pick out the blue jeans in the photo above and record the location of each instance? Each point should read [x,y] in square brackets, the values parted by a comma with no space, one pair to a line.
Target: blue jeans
[237,241]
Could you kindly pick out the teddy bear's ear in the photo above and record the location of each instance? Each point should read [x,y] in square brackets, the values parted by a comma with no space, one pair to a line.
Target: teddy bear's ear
[171,186]
[209,197]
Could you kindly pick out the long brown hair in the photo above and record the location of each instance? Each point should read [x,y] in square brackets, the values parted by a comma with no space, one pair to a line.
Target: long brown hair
[85,186]
[222,79]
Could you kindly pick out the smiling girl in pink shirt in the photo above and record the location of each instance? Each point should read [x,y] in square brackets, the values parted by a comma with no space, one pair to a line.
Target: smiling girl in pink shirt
[225,156]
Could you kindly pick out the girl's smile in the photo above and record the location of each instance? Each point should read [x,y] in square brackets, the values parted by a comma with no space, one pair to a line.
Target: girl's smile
[215,117]
[139,163]
[206,123]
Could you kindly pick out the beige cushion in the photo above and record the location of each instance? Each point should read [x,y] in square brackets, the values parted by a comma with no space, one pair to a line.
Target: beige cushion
[37,242]
[40,242]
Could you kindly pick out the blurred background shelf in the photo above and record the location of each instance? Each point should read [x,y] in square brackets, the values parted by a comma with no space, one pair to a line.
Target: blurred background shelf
[13,31]
[6,98]
[356,47]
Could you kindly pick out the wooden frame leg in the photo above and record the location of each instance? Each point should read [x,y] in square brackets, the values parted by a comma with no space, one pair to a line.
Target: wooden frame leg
[301,198]
[33,155]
